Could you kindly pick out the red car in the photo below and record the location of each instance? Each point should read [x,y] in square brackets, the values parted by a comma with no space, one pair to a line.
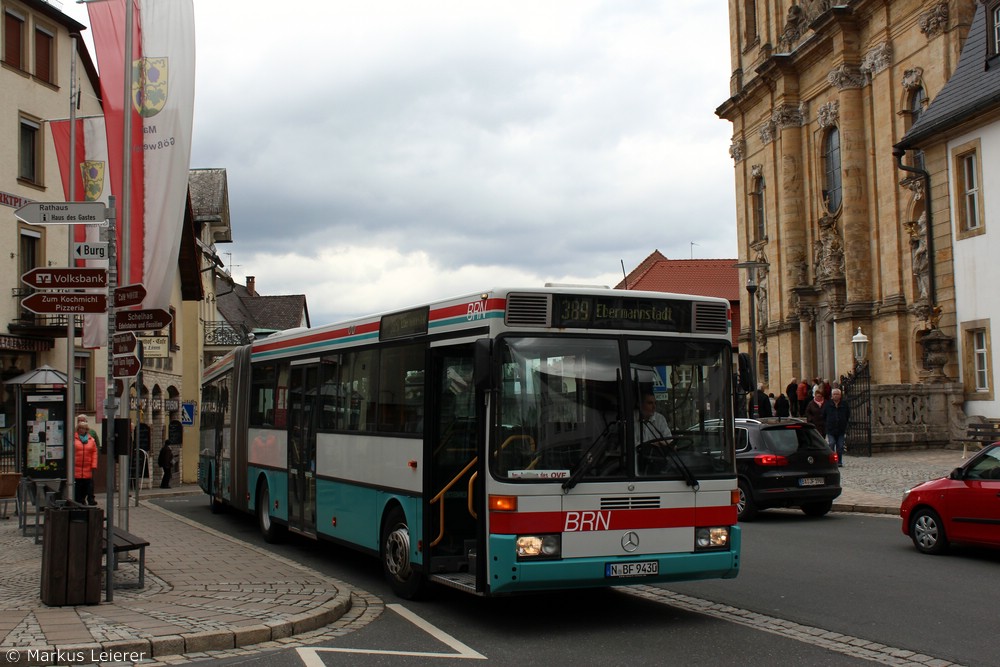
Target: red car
[962,507]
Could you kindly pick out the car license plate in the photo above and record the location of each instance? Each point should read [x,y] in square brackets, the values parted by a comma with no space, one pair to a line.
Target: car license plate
[812,481]
[641,569]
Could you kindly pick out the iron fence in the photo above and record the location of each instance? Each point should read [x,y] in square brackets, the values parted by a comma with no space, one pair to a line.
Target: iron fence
[857,390]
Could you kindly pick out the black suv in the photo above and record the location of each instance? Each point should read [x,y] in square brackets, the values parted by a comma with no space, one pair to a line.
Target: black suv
[784,462]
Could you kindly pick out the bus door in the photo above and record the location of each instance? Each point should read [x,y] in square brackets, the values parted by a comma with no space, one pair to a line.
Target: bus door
[452,433]
[302,393]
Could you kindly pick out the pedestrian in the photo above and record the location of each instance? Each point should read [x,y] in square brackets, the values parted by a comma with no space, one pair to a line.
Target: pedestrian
[85,462]
[761,403]
[802,394]
[791,392]
[814,411]
[836,415]
[166,461]
[782,406]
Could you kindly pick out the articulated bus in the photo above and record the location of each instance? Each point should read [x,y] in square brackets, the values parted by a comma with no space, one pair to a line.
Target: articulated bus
[495,442]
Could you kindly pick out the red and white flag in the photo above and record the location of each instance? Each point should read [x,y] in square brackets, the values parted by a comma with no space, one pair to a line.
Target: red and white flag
[90,172]
[162,75]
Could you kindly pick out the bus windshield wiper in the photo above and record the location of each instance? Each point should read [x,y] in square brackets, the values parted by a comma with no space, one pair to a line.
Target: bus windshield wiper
[689,477]
[591,456]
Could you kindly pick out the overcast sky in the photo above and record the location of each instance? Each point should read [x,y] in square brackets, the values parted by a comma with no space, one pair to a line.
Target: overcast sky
[385,153]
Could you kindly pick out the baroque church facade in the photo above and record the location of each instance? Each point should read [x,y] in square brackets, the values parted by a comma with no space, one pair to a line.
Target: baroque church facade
[820,94]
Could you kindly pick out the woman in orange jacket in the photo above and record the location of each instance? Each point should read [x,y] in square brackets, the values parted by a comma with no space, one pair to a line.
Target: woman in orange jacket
[85,450]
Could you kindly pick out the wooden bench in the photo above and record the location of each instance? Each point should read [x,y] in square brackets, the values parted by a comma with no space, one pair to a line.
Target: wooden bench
[983,433]
[124,541]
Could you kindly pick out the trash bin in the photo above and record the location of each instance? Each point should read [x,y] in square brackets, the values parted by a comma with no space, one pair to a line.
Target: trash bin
[71,554]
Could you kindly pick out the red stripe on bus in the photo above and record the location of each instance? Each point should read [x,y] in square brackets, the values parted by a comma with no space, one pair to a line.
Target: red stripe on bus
[462,309]
[504,523]
[449,312]
[317,337]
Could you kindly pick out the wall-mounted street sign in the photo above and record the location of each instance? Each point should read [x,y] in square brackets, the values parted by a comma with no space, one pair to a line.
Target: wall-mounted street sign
[65,302]
[141,320]
[90,250]
[187,413]
[123,343]
[129,295]
[62,213]
[63,278]
[125,366]
[155,347]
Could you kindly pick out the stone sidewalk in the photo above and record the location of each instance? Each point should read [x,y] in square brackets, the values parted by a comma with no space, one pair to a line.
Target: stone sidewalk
[876,483]
[204,591]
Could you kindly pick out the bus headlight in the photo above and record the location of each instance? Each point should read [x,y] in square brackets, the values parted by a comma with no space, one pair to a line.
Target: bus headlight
[538,546]
[711,538]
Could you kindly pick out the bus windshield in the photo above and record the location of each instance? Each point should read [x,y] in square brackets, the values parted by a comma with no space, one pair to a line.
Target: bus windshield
[605,408]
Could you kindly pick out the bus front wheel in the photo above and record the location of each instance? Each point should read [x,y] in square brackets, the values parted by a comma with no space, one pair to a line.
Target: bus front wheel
[406,582]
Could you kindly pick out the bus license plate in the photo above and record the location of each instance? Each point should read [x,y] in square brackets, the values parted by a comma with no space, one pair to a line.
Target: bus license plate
[641,569]
[812,481]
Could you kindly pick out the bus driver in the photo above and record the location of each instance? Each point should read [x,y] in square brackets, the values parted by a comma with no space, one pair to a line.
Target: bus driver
[651,425]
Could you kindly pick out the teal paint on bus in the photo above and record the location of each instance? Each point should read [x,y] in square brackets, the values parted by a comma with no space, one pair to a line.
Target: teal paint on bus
[508,575]
[354,508]
[277,488]
[359,512]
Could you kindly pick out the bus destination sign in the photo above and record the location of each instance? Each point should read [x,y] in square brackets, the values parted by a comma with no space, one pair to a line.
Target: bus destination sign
[404,324]
[602,312]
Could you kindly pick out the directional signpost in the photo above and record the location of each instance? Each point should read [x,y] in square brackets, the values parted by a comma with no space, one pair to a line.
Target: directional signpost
[65,302]
[62,278]
[90,250]
[123,343]
[126,366]
[141,320]
[62,213]
[130,295]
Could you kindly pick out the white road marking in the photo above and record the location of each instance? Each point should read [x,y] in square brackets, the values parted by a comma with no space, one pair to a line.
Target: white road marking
[832,641]
[310,655]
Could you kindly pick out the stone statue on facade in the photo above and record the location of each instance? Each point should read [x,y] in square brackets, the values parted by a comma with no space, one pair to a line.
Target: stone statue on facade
[829,251]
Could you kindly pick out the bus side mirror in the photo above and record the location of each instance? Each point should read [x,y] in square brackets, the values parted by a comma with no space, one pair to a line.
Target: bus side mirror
[483,366]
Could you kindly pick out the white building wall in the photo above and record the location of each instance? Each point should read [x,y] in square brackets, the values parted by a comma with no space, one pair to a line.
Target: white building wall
[977,264]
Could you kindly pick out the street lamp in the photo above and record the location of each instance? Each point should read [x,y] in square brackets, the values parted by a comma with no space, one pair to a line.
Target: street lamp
[860,343]
[752,285]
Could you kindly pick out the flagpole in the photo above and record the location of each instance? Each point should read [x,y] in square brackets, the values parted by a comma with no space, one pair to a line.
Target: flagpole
[126,222]
[69,433]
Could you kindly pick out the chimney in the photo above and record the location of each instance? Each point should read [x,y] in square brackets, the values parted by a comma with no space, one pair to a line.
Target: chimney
[250,286]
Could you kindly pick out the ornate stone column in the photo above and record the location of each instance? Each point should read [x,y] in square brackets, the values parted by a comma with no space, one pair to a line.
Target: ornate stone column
[849,81]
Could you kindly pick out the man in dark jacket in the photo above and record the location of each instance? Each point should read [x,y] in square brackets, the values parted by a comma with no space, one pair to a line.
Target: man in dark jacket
[761,403]
[782,406]
[792,392]
[837,415]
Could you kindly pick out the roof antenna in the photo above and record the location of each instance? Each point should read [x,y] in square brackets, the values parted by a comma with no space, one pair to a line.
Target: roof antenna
[625,275]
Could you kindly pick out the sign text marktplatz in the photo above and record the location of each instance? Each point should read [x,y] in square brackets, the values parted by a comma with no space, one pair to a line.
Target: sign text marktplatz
[62,213]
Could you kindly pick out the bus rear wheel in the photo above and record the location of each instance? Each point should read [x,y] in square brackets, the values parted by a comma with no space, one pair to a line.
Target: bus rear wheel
[213,503]
[406,582]
[272,532]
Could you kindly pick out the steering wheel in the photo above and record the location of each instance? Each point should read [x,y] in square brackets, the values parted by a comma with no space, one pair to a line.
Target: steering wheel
[652,455]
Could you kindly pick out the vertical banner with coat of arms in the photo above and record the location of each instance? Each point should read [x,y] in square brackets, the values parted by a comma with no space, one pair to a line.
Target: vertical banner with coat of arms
[162,75]
[91,185]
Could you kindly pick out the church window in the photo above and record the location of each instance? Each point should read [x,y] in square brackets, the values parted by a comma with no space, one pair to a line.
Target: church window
[832,189]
